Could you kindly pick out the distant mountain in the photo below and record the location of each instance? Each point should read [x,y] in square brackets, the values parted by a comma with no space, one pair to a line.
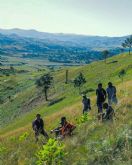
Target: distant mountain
[57,47]
[89,41]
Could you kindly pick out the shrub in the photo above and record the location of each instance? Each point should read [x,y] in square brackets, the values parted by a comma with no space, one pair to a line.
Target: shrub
[2,150]
[23,136]
[51,153]
[121,74]
[79,81]
[111,147]
[84,118]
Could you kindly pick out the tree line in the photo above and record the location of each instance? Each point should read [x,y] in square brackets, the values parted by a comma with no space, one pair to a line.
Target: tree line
[126,44]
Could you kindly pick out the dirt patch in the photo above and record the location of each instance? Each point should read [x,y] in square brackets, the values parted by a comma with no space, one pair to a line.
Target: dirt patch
[36,102]
[32,104]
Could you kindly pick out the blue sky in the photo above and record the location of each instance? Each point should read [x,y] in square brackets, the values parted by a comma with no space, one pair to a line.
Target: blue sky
[91,17]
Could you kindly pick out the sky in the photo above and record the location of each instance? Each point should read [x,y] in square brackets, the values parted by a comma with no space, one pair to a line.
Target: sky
[90,17]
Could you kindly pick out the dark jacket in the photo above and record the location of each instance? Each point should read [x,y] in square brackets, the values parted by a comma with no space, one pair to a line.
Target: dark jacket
[38,124]
[86,103]
[101,95]
[109,112]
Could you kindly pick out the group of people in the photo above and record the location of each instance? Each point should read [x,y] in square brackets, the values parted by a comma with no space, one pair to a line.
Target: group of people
[63,130]
[67,128]
[102,94]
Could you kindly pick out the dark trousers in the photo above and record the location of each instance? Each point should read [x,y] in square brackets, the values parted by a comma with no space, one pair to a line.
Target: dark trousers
[86,109]
[100,107]
[41,131]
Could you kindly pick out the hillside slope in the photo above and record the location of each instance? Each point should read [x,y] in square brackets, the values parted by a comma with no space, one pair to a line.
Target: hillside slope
[93,142]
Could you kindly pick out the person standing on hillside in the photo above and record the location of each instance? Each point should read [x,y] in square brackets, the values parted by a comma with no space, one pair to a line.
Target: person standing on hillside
[101,97]
[111,92]
[38,127]
[86,104]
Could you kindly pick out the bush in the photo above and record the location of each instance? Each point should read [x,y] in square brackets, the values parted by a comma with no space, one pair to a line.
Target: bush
[111,148]
[24,136]
[51,153]
[2,150]
[84,118]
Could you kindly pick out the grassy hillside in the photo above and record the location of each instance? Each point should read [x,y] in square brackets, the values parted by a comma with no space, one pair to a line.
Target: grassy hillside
[93,142]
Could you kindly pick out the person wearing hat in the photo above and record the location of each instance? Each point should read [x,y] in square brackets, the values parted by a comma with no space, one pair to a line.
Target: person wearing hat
[38,127]
[66,128]
[86,104]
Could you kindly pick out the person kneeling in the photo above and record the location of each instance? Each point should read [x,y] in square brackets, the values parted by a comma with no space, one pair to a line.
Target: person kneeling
[65,129]
[108,115]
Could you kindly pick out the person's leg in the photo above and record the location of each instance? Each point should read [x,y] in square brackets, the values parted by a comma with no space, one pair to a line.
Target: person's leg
[109,101]
[103,116]
[114,100]
[36,135]
[100,107]
[84,111]
[100,110]
[43,132]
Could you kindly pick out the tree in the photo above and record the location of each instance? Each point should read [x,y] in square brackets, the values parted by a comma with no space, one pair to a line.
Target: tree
[128,44]
[79,81]
[66,77]
[45,82]
[122,74]
[121,50]
[105,54]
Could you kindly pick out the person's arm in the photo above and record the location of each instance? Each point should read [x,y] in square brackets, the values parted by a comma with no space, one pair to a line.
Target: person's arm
[83,101]
[34,126]
[104,93]
[107,90]
[56,130]
[106,114]
[96,92]
[114,90]
[42,123]
[89,104]
[111,111]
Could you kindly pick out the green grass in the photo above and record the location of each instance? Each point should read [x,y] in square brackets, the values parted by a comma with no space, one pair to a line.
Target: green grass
[92,140]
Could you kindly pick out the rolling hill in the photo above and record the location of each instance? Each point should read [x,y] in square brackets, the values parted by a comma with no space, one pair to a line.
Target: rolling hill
[78,40]
[63,48]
